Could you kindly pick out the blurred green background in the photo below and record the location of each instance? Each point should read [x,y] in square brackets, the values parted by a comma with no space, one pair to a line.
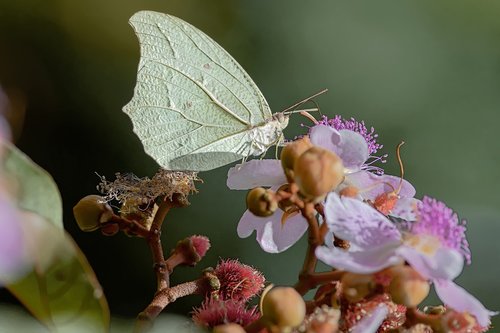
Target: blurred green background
[424,71]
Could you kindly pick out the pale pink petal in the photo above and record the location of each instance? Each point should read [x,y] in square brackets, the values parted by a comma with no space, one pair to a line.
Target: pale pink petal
[350,146]
[359,223]
[372,185]
[460,300]
[272,236]
[371,322]
[353,150]
[445,263]
[325,137]
[256,173]
[405,209]
[361,262]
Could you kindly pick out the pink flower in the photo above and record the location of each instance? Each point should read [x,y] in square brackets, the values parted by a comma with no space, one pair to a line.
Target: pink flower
[272,235]
[434,245]
[350,146]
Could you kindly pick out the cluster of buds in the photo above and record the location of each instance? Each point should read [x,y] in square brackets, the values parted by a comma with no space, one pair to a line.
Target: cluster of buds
[312,172]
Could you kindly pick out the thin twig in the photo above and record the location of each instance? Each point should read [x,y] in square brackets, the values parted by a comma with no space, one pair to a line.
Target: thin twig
[154,242]
[168,295]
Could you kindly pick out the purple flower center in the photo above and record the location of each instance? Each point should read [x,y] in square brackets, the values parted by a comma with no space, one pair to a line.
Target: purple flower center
[436,219]
[340,123]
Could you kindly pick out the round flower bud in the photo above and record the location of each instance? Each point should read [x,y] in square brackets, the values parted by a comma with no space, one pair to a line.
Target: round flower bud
[261,202]
[317,172]
[291,152]
[283,307]
[91,211]
[407,287]
[355,286]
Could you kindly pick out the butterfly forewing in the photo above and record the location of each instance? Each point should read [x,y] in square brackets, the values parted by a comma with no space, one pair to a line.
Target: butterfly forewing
[191,97]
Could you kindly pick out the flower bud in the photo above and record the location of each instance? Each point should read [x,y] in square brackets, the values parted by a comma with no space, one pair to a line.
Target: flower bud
[355,286]
[291,152]
[407,287]
[191,250]
[283,307]
[317,172]
[261,202]
[91,211]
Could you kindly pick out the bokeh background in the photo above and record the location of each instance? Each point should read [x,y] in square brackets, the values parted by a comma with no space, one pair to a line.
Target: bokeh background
[424,71]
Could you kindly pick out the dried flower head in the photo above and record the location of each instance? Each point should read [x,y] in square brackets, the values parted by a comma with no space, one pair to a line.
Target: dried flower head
[214,312]
[238,281]
[137,195]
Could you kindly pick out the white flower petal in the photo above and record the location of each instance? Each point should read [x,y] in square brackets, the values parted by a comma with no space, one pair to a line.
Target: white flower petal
[325,136]
[352,149]
[460,300]
[256,173]
[272,236]
[357,222]
[350,146]
[445,263]
[361,262]
[373,185]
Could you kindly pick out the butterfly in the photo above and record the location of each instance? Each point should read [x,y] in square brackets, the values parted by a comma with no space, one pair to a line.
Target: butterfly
[194,107]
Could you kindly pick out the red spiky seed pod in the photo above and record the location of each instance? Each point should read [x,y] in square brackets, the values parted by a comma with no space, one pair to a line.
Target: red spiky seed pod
[214,312]
[238,281]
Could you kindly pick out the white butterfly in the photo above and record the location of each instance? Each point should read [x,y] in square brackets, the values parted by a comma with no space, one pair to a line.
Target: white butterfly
[194,107]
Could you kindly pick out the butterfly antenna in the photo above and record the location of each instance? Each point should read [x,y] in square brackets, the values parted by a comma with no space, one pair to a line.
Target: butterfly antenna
[286,111]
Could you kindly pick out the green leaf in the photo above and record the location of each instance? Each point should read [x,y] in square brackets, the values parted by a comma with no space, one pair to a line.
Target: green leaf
[36,190]
[61,290]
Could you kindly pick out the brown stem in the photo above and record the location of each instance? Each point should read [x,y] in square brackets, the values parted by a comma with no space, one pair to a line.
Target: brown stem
[154,242]
[174,260]
[314,240]
[131,226]
[168,295]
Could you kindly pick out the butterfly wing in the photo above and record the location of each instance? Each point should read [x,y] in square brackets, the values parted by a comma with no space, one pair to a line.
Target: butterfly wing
[194,105]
